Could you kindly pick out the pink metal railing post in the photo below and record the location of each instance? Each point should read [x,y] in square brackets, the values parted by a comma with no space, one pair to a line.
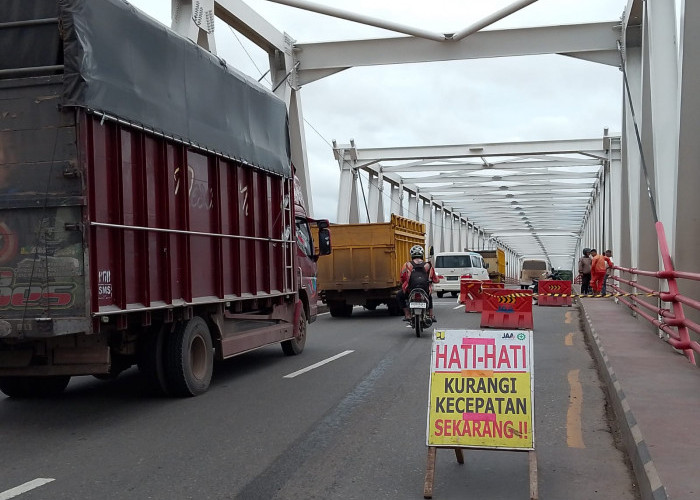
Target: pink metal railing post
[669,275]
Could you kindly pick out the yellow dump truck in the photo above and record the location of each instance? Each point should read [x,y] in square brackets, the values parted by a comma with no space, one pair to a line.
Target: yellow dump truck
[496,260]
[365,264]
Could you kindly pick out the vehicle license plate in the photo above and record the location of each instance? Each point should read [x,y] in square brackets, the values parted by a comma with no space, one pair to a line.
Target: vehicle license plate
[452,278]
[418,305]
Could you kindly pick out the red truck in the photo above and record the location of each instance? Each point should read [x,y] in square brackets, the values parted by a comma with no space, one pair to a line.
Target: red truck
[148,210]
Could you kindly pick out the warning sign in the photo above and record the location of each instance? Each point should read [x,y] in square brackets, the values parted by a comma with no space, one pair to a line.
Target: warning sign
[481,389]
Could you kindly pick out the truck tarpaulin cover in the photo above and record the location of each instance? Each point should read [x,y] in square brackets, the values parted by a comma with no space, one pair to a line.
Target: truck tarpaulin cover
[120,62]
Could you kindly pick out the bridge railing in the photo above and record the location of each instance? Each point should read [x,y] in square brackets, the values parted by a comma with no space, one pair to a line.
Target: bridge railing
[672,320]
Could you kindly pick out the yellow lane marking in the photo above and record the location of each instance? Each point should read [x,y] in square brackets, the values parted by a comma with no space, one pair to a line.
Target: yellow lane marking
[568,318]
[574,434]
[569,339]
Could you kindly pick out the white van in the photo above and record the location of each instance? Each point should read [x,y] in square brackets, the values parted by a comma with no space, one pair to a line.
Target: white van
[533,268]
[450,266]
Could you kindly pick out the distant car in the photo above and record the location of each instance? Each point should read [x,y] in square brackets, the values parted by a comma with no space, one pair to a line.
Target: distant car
[450,266]
[533,268]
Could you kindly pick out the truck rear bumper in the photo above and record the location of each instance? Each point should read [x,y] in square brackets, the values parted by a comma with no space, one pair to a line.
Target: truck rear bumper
[41,328]
[64,355]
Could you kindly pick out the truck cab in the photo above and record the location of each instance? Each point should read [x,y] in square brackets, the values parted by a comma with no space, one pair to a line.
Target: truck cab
[306,250]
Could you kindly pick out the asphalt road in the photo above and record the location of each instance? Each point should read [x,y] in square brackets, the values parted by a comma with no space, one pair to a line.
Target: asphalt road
[352,428]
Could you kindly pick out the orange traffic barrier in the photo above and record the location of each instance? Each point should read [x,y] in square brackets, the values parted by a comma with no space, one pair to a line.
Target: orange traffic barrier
[504,308]
[491,284]
[470,294]
[554,293]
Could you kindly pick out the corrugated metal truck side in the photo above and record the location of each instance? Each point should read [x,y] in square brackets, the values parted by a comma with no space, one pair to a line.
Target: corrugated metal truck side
[121,241]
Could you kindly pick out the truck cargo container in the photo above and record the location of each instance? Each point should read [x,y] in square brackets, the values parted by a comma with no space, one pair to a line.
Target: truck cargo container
[148,210]
[365,265]
[496,260]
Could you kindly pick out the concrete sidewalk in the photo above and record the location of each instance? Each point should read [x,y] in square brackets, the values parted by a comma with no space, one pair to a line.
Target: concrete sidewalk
[655,394]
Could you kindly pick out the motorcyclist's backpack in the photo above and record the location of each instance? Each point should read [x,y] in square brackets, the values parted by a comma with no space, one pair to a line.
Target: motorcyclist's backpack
[419,277]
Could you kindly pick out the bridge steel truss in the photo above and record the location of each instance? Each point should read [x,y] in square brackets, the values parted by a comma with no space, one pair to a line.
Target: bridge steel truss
[661,70]
[529,198]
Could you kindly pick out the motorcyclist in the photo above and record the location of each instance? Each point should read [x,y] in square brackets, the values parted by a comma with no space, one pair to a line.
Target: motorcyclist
[417,255]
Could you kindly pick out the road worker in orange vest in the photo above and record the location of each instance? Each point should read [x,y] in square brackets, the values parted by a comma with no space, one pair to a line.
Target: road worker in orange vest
[599,267]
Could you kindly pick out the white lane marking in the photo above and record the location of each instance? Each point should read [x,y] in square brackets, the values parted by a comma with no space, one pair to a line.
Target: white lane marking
[461,305]
[315,365]
[23,488]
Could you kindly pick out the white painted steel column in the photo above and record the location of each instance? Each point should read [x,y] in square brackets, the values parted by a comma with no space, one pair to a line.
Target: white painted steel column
[451,232]
[648,256]
[297,139]
[599,217]
[663,70]
[460,247]
[397,199]
[375,195]
[616,202]
[348,210]
[443,248]
[431,225]
[427,220]
[455,232]
[414,207]
[687,236]
[283,77]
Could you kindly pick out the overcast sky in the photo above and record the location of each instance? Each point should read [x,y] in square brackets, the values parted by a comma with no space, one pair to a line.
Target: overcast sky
[491,100]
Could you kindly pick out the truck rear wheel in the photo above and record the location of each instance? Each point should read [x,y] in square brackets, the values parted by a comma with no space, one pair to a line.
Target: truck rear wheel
[189,358]
[33,387]
[296,345]
[151,360]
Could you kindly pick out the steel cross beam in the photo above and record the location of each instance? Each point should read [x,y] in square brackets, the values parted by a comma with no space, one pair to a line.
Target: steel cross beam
[535,201]
[595,42]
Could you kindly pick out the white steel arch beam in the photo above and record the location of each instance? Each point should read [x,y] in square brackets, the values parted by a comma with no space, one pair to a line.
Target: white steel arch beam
[595,42]
[250,24]
[362,19]
[488,20]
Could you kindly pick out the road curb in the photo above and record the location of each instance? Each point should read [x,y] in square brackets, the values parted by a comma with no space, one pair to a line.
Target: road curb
[650,485]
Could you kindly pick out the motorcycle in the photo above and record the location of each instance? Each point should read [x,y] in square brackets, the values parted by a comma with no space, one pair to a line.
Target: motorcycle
[418,301]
